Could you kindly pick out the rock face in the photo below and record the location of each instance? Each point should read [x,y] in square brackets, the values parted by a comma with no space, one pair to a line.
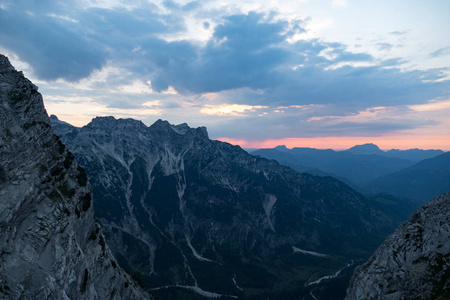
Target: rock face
[182,211]
[414,262]
[50,246]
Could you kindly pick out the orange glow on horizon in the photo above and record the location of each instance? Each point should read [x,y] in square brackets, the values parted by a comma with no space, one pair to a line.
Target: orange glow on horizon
[341,143]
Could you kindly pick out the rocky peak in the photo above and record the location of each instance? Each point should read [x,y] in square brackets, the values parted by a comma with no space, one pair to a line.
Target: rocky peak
[5,65]
[164,127]
[50,246]
[112,124]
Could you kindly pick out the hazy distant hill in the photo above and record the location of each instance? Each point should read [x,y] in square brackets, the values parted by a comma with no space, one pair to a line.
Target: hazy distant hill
[357,167]
[415,155]
[422,181]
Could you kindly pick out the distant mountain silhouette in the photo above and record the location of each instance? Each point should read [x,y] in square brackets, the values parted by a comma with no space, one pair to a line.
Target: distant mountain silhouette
[422,181]
[366,149]
[349,167]
[415,155]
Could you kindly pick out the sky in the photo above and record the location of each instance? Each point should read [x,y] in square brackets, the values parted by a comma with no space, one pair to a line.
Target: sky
[305,73]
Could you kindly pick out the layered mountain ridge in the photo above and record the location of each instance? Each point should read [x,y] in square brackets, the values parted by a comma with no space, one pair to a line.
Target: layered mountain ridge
[183,211]
[353,166]
[50,246]
[422,181]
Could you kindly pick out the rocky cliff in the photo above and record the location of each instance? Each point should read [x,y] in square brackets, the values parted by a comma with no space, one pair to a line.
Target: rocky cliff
[414,262]
[182,211]
[50,246]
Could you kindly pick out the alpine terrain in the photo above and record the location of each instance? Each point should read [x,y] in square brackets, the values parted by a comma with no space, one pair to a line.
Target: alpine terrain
[414,262]
[50,246]
[192,217]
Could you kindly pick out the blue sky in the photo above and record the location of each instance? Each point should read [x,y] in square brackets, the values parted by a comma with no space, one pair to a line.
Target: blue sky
[325,74]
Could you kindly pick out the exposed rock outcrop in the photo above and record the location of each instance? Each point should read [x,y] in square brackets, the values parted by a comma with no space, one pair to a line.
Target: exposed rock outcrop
[414,262]
[50,246]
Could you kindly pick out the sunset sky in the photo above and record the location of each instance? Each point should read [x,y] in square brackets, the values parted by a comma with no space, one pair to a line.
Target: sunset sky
[306,73]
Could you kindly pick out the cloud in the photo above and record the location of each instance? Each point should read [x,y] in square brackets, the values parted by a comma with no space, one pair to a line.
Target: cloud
[253,70]
[50,45]
[230,109]
[398,33]
[317,121]
[244,52]
[250,51]
[70,42]
[441,52]
[385,46]
[339,3]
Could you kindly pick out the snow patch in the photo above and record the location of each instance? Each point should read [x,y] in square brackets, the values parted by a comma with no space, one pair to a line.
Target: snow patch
[196,254]
[298,250]
[329,276]
[235,283]
[268,205]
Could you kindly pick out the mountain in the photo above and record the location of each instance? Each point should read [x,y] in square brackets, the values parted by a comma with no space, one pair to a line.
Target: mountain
[355,168]
[366,149]
[422,181]
[414,155]
[50,246]
[186,213]
[414,262]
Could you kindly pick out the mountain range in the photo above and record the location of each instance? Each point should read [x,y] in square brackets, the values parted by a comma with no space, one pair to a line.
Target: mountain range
[421,182]
[183,213]
[415,174]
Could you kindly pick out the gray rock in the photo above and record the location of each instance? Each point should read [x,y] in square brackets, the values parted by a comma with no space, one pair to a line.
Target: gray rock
[414,262]
[50,245]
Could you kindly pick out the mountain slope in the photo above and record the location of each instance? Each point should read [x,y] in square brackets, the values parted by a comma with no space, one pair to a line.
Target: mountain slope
[50,246]
[183,211]
[414,262]
[422,181]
